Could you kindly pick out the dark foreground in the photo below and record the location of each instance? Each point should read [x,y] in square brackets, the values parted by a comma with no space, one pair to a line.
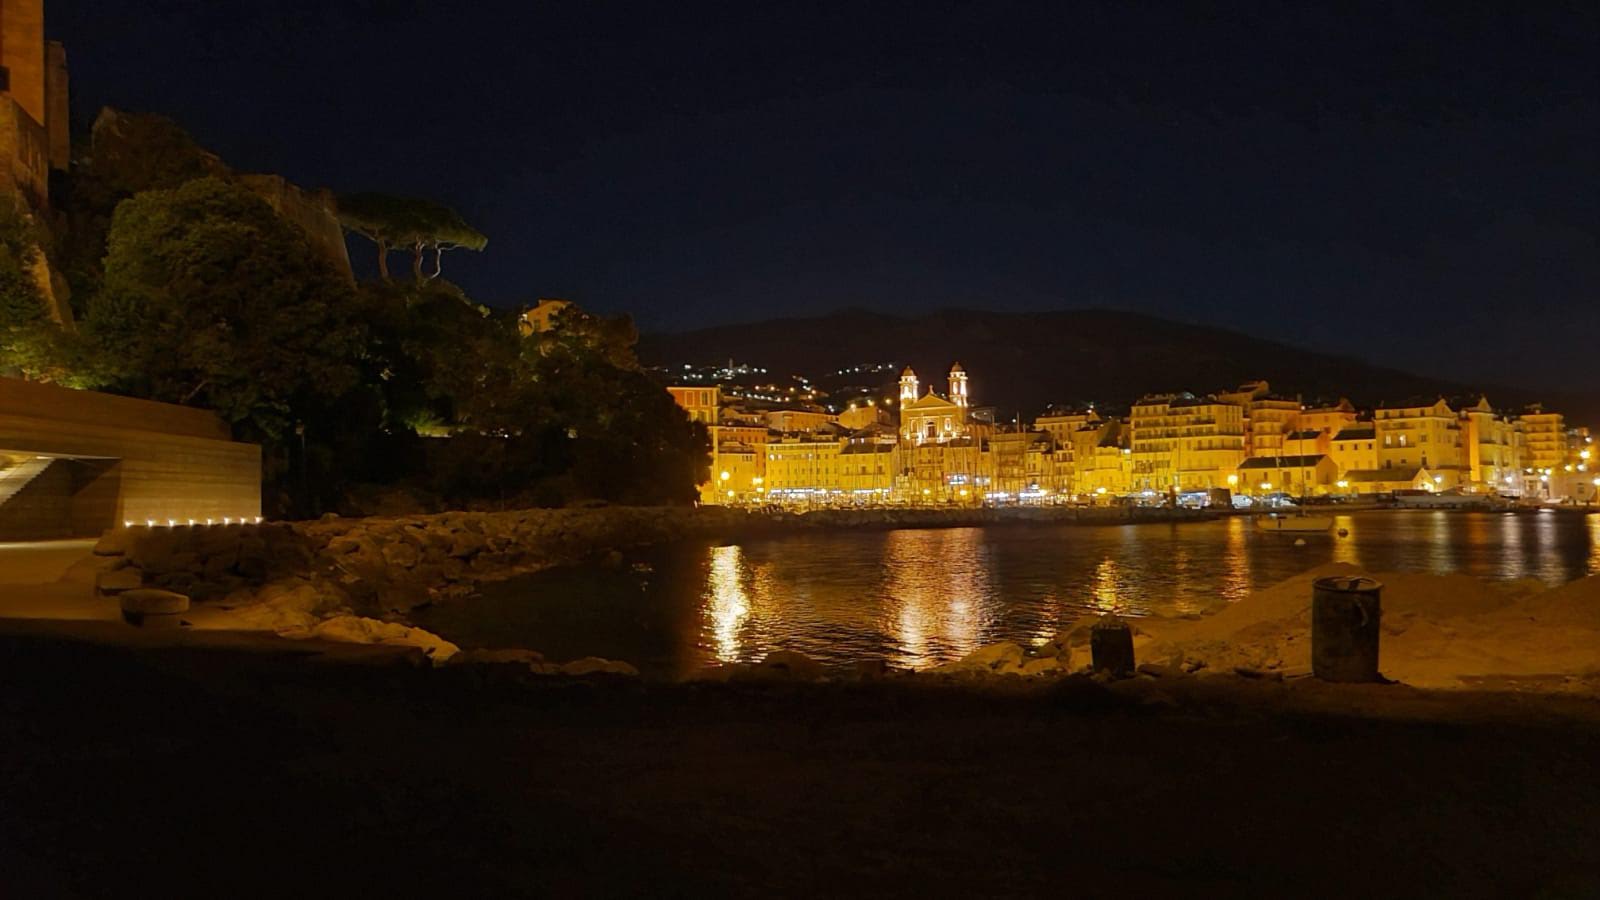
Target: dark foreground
[194,773]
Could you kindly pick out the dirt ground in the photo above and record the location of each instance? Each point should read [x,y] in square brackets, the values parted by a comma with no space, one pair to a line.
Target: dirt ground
[184,772]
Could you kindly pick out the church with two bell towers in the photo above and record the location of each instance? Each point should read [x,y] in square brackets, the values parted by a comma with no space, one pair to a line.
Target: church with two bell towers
[932,419]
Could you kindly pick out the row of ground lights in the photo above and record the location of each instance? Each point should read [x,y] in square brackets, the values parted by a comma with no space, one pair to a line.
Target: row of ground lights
[174,523]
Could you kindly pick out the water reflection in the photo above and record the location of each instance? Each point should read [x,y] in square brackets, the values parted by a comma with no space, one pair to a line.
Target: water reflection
[727,604]
[1346,547]
[937,588]
[924,597]
[1236,574]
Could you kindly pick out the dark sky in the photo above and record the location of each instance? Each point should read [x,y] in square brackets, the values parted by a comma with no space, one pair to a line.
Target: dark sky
[1415,184]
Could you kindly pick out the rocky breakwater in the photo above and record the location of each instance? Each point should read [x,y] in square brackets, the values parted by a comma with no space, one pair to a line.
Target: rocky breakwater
[350,579]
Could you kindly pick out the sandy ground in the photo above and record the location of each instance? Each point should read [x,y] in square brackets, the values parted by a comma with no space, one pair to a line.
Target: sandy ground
[218,773]
[1440,631]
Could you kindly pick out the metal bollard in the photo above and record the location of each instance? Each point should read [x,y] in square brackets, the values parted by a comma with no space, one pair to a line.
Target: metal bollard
[1344,628]
[1111,647]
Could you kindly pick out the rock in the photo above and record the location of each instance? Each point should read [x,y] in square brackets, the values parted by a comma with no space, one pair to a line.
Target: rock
[870,669]
[1058,647]
[360,630]
[152,601]
[1003,656]
[117,580]
[594,665]
[251,566]
[797,665]
[1247,672]
[400,554]
[1046,666]
[467,543]
[1156,670]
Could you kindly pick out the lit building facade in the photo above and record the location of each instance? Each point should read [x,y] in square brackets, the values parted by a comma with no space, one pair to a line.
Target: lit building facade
[701,402]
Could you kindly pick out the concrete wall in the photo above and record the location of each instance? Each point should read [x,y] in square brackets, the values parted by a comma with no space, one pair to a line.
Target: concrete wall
[142,460]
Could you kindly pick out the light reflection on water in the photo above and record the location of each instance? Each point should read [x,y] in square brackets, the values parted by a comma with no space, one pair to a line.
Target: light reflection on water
[918,598]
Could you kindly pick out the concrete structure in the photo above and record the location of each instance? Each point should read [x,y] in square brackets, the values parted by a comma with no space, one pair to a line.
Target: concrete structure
[73,463]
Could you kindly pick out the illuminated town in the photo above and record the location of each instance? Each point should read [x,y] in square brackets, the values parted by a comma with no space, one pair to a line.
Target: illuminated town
[510,449]
[1241,447]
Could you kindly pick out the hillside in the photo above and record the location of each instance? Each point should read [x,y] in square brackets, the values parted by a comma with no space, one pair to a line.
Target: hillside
[1025,361]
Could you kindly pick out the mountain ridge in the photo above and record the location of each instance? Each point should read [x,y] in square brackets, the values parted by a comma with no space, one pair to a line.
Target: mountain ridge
[1025,361]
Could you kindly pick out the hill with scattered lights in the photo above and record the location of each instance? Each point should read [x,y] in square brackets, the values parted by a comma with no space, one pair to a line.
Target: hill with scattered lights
[1024,362]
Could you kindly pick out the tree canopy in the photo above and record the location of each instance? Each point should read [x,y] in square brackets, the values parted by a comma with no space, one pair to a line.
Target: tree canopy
[213,300]
[407,223]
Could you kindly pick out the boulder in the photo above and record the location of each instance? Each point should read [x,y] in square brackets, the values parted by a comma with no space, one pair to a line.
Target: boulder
[467,543]
[1047,666]
[359,630]
[869,669]
[401,555]
[152,601]
[594,665]
[795,665]
[118,580]
[1001,657]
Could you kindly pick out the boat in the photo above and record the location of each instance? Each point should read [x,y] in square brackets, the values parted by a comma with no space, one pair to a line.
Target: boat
[1275,522]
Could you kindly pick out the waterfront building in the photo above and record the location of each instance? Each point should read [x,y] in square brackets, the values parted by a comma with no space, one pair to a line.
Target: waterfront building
[1390,479]
[1297,476]
[1544,451]
[1062,424]
[944,450]
[803,467]
[1022,465]
[867,469]
[701,402]
[799,420]
[1269,418]
[1305,442]
[1181,442]
[1354,448]
[1422,435]
[1492,447]
[736,474]
[1331,419]
[862,414]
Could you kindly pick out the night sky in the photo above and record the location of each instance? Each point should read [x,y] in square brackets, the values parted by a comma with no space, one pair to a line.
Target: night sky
[1415,185]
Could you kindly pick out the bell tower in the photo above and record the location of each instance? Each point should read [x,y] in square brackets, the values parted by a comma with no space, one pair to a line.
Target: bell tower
[908,386]
[958,385]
